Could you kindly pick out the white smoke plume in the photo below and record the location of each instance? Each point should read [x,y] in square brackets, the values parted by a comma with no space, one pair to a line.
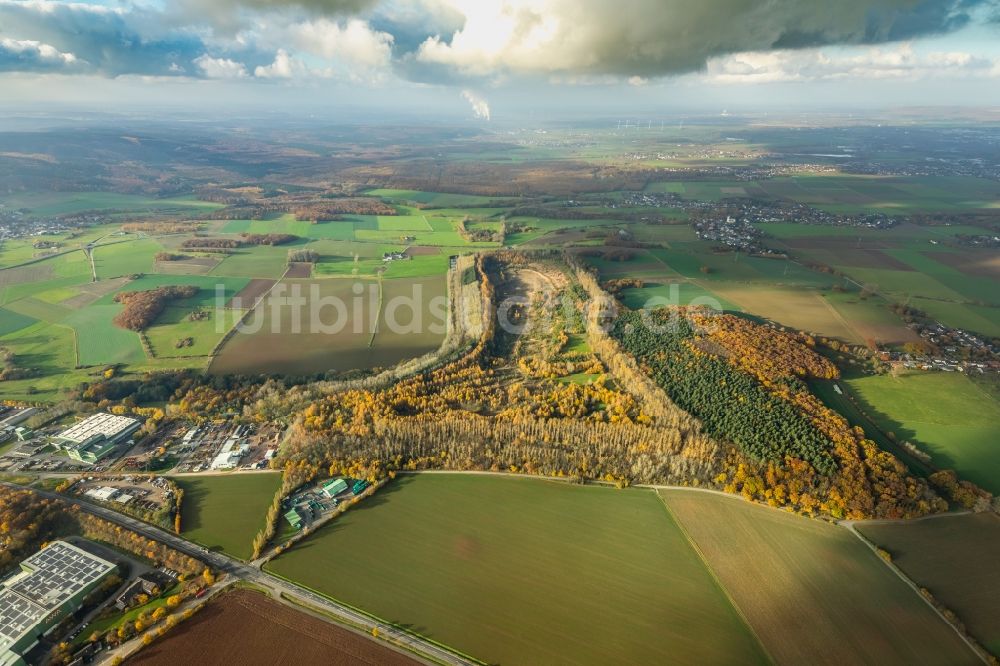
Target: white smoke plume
[480,106]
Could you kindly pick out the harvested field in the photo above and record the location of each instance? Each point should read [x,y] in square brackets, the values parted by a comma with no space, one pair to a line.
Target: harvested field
[247,628]
[955,557]
[299,269]
[421,250]
[249,294]
[868,258]
[31,273]
[812,592]
[805,310]
[345,324]
[92,291]
[192,266]
[977,264]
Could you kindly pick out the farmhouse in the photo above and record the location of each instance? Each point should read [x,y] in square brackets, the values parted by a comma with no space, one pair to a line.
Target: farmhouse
[145,584]
[52,584]
[96,437]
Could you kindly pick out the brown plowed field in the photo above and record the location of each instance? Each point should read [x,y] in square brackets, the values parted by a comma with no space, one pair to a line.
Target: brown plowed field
[299,270]
[984,264]
[249,294]
[248,629]
[422,250]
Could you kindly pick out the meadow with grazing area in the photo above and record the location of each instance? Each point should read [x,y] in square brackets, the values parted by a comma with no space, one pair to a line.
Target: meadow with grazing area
[946,414]
[226,511]
[513,570]
[955,557]
[811,591]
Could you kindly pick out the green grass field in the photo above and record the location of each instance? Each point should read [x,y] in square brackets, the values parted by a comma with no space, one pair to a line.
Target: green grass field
[125,258]
[226,511]
[852,193]
[11,321]
[257,262]
[653,295]
[45,204]
[945,413]
[955,557]
[813,592]
[207,284]
[99,341]
[436,199]
[174,325]
[981,319]
[527,571]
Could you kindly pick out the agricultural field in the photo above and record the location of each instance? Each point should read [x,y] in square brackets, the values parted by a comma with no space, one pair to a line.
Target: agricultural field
[827,599]
[658,294]
[246,627]
[11,321]
[946,414]
[46,204]
[955,557]
[356,334]
[806,310]
[907,263]
[200,336]
[56,315]
[257,262]
[226,511]
[99,342]
[562,574]
[431,199]
[846,193]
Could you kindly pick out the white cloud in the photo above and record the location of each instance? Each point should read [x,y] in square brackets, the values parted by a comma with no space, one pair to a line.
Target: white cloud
[283,67]
[353,43]
[42,51]
[902,62]
[220,68]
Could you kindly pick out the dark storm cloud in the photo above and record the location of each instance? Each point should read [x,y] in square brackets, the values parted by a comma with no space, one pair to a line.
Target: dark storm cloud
[663,37]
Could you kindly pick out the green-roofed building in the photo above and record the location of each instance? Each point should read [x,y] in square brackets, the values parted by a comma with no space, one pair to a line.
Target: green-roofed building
[334,487]
[294,518]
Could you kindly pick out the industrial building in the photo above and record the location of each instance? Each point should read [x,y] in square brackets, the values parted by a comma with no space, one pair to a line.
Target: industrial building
[334,487]
[97,436]
[294,517]
[52,584]
[232,451]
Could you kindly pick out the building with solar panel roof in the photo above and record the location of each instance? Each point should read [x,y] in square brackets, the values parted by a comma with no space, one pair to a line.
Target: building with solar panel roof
[52,584]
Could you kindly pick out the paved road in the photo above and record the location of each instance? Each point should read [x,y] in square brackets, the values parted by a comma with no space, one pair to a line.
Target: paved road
[281,588]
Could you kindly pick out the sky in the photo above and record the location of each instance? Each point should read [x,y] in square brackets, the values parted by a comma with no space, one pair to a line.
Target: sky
[486,59]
